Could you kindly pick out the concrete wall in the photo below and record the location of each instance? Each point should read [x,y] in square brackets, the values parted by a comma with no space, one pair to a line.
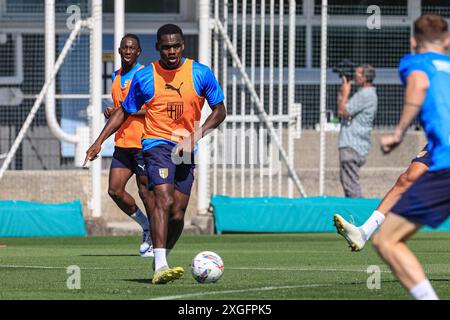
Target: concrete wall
[377,176]
[67,185]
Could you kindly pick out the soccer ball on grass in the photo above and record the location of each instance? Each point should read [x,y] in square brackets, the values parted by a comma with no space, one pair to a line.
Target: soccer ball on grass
[207,266]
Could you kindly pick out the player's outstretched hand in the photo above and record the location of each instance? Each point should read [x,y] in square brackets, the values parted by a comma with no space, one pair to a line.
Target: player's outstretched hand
[108,112]
[389,142]
[92,153]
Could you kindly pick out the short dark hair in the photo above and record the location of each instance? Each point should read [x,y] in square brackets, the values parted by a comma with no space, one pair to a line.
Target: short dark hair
[369,72]
[133,36]
[430,28]
[168,29]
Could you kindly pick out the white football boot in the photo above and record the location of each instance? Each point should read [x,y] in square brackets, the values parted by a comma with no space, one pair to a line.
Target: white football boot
[146,248]
[350,232]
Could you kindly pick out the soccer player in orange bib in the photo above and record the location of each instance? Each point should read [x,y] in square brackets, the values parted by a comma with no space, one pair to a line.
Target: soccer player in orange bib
[127,158]
[174,90]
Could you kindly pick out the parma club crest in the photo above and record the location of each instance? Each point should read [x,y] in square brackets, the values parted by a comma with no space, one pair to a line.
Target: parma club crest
[175,110]
[163,172]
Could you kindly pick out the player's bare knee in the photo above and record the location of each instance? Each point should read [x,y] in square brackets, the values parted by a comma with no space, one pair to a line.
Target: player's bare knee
[381,243]
[164,201]
[115,193]
[178,218]
[375,241]
[143,192]
[177,214]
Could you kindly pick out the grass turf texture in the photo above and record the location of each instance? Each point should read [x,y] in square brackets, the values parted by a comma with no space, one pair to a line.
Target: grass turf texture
[257,266]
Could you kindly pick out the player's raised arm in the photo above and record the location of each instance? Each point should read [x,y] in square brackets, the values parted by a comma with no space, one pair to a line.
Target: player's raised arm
[416,88]
[343,96]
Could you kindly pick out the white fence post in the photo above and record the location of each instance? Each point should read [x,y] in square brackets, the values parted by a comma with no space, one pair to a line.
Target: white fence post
[323,92]
[119,27]
[291,87]
[204,54]
[49,55]
[96,104]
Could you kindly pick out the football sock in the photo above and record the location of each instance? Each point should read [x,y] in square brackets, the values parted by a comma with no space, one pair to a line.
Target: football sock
[142,219]
[424,291]
[372,224]
[160,257]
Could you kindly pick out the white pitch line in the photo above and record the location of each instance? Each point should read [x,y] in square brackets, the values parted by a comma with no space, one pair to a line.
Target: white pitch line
[303,269]
[190,295]
[12,266]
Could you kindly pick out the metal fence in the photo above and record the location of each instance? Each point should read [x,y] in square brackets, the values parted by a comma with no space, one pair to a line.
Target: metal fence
[70,86]
[376,33]
[259,32]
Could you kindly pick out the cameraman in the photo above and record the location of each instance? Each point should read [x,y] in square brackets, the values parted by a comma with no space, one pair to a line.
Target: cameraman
[357,115]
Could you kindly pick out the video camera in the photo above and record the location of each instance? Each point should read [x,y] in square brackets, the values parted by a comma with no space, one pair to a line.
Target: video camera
[345,68]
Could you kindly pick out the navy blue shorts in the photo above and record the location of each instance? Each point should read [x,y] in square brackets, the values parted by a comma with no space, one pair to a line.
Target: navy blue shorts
[161,169]
[427,201]
[423,157]
[130,158]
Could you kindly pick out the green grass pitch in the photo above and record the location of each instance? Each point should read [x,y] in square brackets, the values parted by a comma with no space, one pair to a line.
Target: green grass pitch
[257,266]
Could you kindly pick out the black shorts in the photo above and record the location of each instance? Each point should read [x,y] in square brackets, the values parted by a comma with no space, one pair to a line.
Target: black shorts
[130,158]
[427,201]
[161,169]
[423,157]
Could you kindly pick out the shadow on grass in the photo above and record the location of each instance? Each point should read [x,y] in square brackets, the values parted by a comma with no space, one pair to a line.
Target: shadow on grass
[108,255]
[438,280]
[144,281]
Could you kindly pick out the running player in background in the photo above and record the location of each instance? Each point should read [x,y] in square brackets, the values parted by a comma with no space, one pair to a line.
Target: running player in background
[174,90]
[357,237]
[127,158]
[426,76]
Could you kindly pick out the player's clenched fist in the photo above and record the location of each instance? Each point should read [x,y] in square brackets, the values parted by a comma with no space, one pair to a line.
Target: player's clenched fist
[108,112]
[186,145]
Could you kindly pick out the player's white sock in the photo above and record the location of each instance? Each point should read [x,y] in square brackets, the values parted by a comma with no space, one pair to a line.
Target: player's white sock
[160,257]
[424,291]
[142,219]
[372,224]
